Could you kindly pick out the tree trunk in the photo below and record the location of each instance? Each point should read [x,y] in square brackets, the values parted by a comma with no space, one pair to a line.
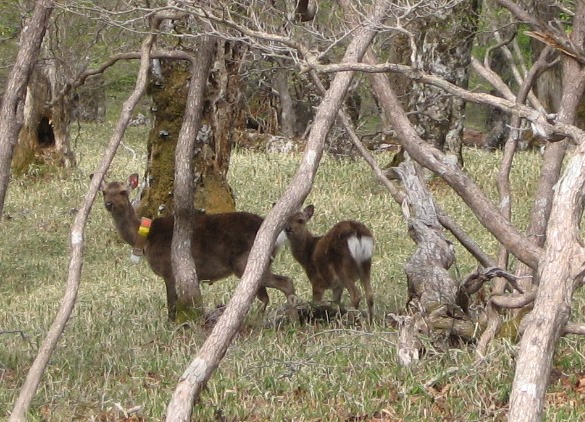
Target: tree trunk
[37,131]
[444,48]
[286,113]
[44,137]
[549,89]
[189,300]
[427,270]
[89,100]
[559,274]
[560,271]
[221,115]
[11,111]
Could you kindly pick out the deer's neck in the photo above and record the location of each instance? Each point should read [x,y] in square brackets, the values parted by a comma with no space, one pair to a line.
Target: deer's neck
[127,225]
[302,248]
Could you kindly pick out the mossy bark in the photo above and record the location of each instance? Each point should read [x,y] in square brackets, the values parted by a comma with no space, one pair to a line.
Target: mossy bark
[27,149]
[189,310]
[221,116]
[44,138]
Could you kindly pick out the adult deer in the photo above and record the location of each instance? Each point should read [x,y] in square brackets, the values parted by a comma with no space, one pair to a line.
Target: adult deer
[220,244]
[335,260]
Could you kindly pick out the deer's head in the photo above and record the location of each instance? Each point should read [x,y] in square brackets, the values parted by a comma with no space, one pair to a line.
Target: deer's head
[117,194]
[297,223]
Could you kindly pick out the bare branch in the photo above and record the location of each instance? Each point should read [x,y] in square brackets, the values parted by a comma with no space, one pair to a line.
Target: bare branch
[504,301]
[548,34]
[33,378]
[574,328]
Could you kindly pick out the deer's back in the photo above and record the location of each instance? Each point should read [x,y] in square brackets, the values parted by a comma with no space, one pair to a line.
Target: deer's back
[333,248]
[219,244]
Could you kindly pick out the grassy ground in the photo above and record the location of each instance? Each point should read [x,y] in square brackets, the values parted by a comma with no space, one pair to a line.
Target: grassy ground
[118,351]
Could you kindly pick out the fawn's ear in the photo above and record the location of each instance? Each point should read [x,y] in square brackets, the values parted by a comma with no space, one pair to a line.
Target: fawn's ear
[133,180]
[308,212]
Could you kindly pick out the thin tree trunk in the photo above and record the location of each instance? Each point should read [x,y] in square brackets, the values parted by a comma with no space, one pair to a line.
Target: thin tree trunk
[561,269]
[11,113]
[215,347]
[35,373]
[189,300]
[560,272]
[286,116]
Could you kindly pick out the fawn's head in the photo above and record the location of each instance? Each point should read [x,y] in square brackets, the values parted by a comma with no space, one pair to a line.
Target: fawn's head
[117,194]
[296,224]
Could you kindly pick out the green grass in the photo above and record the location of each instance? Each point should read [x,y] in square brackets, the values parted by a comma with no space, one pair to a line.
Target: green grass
[118,351]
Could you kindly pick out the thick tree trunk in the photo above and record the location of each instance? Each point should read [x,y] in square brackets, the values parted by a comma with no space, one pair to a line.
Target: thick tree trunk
[444,48]
[37,131]
[45,136]
[62,111]
[11,111]
[430,284]
[214,139]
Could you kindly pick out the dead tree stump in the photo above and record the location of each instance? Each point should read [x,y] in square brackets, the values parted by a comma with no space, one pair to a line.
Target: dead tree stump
[434,294]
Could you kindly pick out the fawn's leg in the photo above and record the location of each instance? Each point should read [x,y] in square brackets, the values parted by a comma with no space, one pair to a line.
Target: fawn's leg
[365,279]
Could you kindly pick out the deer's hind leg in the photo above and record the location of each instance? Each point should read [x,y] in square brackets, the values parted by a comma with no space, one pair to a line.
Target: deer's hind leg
[279,282]
[366,283]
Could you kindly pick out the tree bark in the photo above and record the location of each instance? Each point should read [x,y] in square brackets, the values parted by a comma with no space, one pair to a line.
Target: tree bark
[189,300]
[286,113]
[561,269]
[427,269]
[444,46]
[11,111]
[560,272]
[61,111]
[215,347]
[34,115]
[214,139]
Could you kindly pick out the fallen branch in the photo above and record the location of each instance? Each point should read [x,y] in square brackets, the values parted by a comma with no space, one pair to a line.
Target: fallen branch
[574,328]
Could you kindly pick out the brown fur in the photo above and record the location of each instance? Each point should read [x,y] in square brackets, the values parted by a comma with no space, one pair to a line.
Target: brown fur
[220,244]
[327,260]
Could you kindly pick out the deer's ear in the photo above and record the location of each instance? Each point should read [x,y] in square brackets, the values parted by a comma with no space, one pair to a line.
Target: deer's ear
[308,212]
[133,181]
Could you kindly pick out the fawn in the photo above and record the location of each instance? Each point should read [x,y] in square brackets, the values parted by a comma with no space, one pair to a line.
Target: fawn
[334,260]
[220,244]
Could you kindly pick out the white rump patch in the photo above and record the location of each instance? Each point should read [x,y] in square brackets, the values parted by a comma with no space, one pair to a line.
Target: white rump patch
[361,249]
